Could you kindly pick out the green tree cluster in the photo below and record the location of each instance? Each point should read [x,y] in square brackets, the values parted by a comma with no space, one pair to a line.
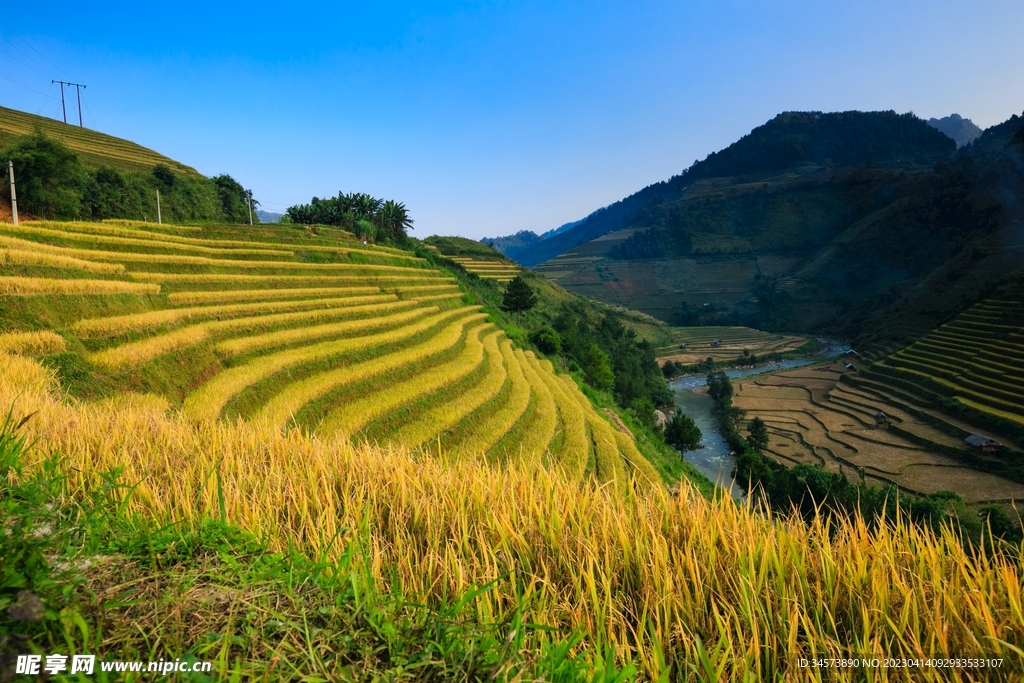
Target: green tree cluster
[369,218]
[54,184]
[612,356]
[519,297]
[681,432]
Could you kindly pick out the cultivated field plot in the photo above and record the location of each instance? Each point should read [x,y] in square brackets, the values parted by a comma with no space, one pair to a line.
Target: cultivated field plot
[976,359]
[733,341]
[325,335]
[814,418]
[499,271]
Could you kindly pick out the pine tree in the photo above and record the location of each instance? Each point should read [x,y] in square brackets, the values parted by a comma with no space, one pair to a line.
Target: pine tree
[519,297]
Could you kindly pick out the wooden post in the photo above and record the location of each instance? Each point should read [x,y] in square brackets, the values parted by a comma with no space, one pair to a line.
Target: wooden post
[14,196]
[158,219]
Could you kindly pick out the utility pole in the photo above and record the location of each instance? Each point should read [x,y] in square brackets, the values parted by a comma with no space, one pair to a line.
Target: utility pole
[158,218]
[249,193]
[14,197]
[63,109]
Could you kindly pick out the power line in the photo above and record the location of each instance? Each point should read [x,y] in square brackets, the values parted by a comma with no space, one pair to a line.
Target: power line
[22,85]
[22,63]
[34,50]
[28,56]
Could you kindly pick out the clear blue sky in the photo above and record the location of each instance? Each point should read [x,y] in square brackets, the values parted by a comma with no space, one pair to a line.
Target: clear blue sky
[488,118]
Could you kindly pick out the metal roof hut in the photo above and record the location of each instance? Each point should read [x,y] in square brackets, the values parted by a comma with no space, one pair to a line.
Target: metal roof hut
[980,444]
[881,420]
[716,342]
[683,345]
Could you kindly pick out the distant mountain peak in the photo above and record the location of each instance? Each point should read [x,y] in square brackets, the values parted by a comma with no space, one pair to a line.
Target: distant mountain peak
[962,130]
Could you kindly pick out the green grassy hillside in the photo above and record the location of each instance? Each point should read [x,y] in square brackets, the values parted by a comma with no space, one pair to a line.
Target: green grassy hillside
[95,149]
[294,329]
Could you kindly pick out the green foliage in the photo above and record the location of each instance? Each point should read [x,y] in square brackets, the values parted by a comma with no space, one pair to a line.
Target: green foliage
[390,219]
[681,432]
[547,340]
[48,177]
[757,434]
[53,183]
[519,297]
[597,368]
[234,200]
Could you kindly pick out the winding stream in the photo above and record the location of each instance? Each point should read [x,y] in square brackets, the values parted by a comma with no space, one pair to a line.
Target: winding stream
[715,459]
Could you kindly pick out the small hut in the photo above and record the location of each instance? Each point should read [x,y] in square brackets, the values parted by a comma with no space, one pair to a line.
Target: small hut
[683,345]
[716,343]
[979,444]
[850,366]
[881,420]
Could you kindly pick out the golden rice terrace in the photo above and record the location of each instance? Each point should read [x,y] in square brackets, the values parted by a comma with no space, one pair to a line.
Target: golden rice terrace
[295,331]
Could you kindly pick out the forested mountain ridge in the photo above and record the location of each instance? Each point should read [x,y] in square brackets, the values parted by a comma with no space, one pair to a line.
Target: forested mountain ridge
[788,229]
[790,140]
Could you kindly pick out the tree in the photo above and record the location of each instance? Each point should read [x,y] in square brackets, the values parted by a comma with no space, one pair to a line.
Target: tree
[547,340]
[597,368]
[49,177]
[757,432]
[394,218]
[720,388]
[518,297]
[681,432]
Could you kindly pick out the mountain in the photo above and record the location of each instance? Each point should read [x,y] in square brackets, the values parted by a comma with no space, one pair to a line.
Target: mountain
[812,222]
[269,216]
[513,245]
[790,141]
[962,130]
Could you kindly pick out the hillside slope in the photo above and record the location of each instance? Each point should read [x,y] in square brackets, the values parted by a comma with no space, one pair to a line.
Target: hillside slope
[820,246]
[293,329]
[792,140]
[95,149]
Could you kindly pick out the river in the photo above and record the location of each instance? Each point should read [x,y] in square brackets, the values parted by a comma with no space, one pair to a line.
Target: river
[715,459]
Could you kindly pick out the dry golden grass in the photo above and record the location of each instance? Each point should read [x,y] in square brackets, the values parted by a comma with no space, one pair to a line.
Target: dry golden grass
[32,343]
[353,416]
[148,241]
[20,257]
[279,410]
[377,316]
[574,450]
[111,326]
[488,433]
[369,277]
[182,298]
[683,586]
[446,415]
[207,401]
[33,286]
[137,353]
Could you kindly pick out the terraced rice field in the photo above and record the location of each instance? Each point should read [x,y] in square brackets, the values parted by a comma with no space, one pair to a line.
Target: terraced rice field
[332,338]
[976,359]
[734,340]
[814,418]
[500,271]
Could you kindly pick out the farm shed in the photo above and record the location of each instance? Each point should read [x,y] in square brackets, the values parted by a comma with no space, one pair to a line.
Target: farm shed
[980,444]
[683,345]
[716,343]
[881,420]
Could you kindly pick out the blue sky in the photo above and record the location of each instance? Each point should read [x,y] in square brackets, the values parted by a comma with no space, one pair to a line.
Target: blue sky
[488,118]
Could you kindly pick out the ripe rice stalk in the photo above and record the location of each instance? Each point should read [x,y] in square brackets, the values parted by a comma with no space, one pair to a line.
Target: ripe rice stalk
[200,297]
[488,433]
[138,353]
[441,286]
[352,417]
[150,226]
[32,343]
[664,580]
[207,402]
[114,325]
[574,451]
[34,286]
[538,437]
[154,242]
[443,417]
[370,277]
[287,403]
[21,257]
[238,346]
[438,297]
[610,465]
[131,257]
